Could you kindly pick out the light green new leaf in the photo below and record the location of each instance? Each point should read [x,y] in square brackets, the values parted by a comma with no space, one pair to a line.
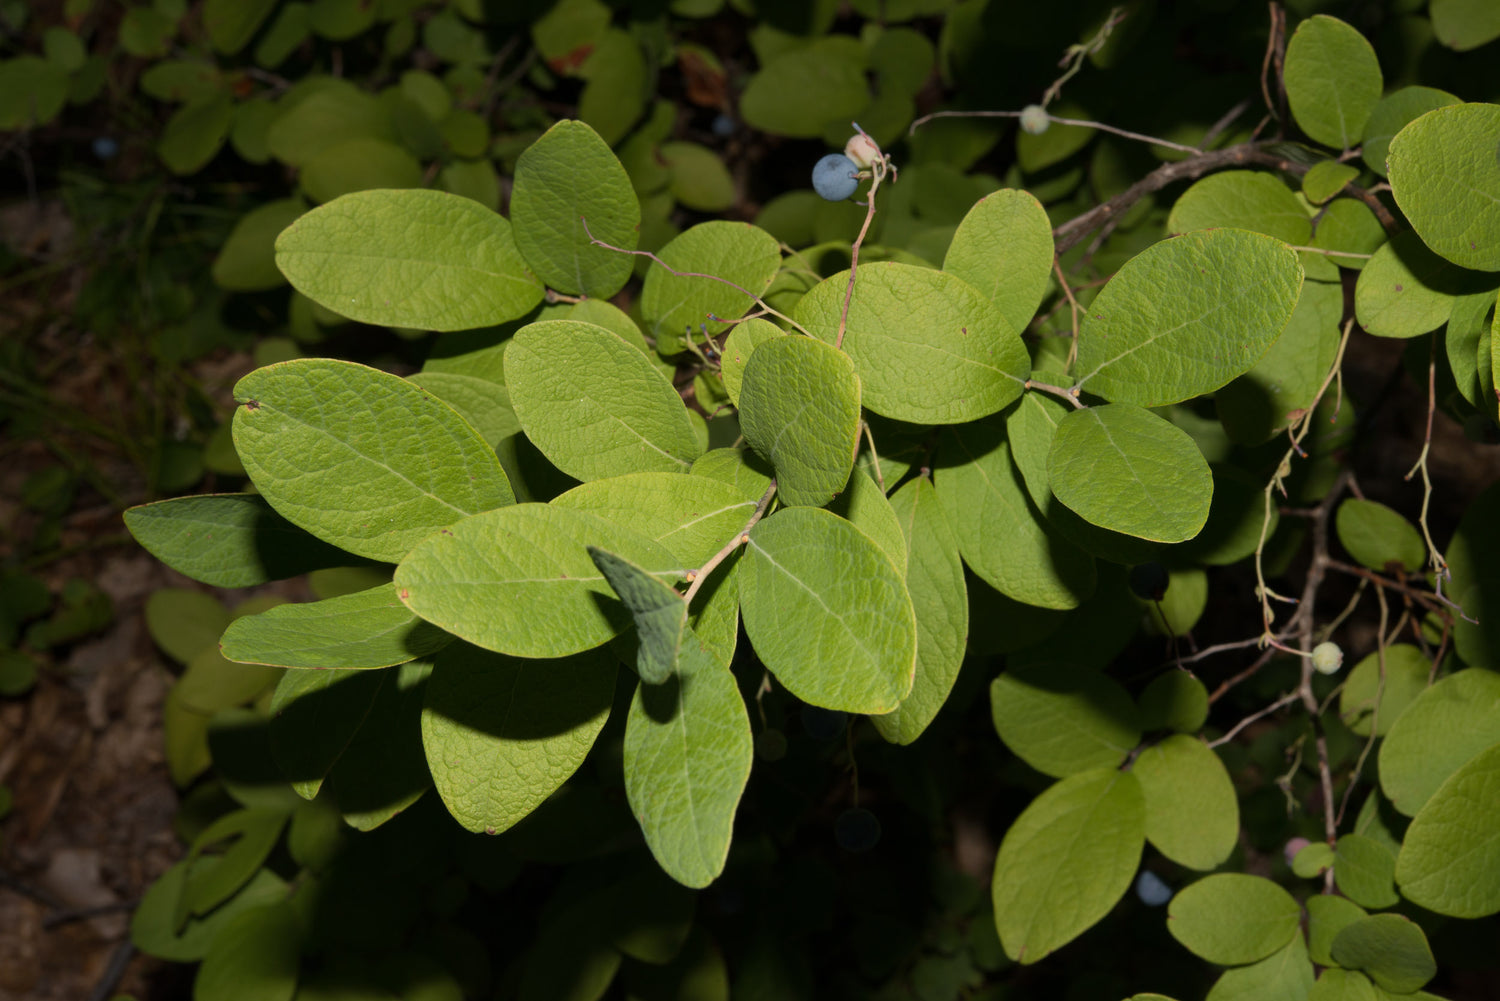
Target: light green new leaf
[1465,24]
[1406,290]
[314,716]
[1445,727]
[688,751]
[738,346]
[1364,871]
[360,458]
[229,540]
[1062,720]
[691,518]
[1390,949]
[799,408]
[1186,315]
[367,629]
[827,612]
[519,580]
[1232,918]
[502,734]
[1123,468]
[569,187]
[658,610]
[1327,178]
[1327,915]
[677,306]
[1394,112]
[1242,199]
[1450,858]
[1285,974]
[1445,174]
[939,597]
[1313,860]
[1003,247]
[593,404]
[1332,80]
[1349,231]
[1068,858]
[409,258]
[255,958]
[929,348]
[1377,691]
[1192,812]
[1001,534]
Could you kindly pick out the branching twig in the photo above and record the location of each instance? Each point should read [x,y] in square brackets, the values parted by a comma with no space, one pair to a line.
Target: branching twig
[1071,395]
[740,538]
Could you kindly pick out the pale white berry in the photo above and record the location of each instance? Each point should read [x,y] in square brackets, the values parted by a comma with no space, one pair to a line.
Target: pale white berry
[1327,658]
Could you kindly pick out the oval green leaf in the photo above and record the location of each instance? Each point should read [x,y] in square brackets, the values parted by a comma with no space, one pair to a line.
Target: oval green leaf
[1406,290]
[1063,720]
[1445,174]
[367,629]
[1066,861]
[1390,949]
[1450,857]
[1125,469]
[1380,688]
[1445,727]
[711,259]
[929,348]
[827,612]
[1003,247]
[1186,315]
[1192,812]
[1332,80]
[329,444]
[1232,918]
[1364,871]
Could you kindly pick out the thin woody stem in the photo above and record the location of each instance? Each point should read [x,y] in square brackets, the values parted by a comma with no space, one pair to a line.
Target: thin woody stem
[740,538]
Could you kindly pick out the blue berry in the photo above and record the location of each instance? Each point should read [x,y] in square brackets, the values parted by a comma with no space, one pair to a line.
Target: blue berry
[105,147]
[823,724]
[835,177]
[1149,581]
[1151,889]
[723,126]
[856,830]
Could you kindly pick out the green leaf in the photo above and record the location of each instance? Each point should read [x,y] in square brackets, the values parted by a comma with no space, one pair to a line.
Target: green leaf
[1450,858]
[368,629]
[1464,24]
[799,408]
[1002,537]
[329,111]
[1327,915]
[1232,918]
[743,339]
[801,90]
[659,612]
[358,165]
[502,734]
[928,347]
[33,92]
[618,85]
[692,518]
[1394,112]
[566,180]
[229,540]
[1186,316]
[699,178]
[676,307]
[1343,985]
[1332,80]
[1467,340]
[154,932]
[1363,870]
[255,958]
[1312,860]
[1174,701]
[251,834]
[688,751]
[1125,469]
[1390,949]
[1350,232]
[1285,974]
[593,404]
[340,20]
[1242,199]
[484,404]
[330,445]
[1445,174]
[1273,394]
[247,261]
[314,716]
[741,468]
[1063,720]
[1237,513]
[1392,682]
[183,623]
[211,682]
[1325,179]
[827,612]
[1066,861]
[1003,247]
[935,582]
[232,23]
[424,259]
[1406,290]
[1476,574]
[1445,727]
[1192,813]
[382,771]
[195,133]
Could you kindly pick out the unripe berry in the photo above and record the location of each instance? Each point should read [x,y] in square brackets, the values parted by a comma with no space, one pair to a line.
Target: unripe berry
[1149,581]
[862,150]
[856,830]
[1034,119]
[1327,658]
[835,177]
[1152,889]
